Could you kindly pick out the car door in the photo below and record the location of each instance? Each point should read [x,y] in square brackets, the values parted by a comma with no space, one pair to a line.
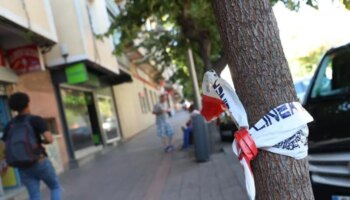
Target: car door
[329,99]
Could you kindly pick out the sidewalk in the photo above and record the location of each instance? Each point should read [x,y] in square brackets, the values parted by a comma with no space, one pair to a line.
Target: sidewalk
[140,170]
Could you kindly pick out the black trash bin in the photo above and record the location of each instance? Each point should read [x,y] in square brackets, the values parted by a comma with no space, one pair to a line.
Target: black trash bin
[201,139]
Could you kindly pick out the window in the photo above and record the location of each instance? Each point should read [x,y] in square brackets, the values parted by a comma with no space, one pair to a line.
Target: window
[110,124]
[334,75]
[113,11]
[4,114]
[143,102]
[78,106]
[98,16]
[51,125]
[155,97]
[152,98]
[147,100]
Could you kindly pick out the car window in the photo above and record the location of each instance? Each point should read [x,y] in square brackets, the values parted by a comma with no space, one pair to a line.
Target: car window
[334,75]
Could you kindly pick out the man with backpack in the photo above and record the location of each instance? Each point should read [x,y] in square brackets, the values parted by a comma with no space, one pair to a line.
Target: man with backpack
[24,137]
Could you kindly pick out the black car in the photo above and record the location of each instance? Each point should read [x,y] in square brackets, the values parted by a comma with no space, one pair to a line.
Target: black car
[328,101]
[227,128]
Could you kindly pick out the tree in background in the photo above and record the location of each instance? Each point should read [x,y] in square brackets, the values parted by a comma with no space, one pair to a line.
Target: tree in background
[168,28]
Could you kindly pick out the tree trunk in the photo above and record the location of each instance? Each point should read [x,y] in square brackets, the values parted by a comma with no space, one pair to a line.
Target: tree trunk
[205,51]
[220,64]
[263,81]
[200,37]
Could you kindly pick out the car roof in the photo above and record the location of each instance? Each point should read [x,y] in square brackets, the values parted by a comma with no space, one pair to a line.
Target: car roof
[339,48]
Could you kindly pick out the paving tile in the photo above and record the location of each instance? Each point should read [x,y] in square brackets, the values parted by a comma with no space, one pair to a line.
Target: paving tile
[139,170]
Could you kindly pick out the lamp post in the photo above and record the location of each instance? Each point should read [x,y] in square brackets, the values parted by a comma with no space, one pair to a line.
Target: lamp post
[193,74]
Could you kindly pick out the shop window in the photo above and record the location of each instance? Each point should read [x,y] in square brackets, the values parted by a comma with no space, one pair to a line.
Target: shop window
[155,97]
[108,117]
[80,117]
[142,102]
[152,98]
[51,125]
[4,114]
[2,89]
[147,101]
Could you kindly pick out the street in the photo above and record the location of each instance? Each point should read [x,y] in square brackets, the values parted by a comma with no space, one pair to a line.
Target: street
[139,169]
[88,78]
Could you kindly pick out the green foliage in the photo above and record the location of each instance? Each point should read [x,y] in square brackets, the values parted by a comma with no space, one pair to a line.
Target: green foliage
[182,76]
[168,28]
[75,107]
[309,62]
[135,21]
[295,4]
[166,41]
[74,100]
[105,107]
[346,3]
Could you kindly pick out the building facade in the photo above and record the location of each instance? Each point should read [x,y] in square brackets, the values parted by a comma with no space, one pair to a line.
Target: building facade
[135,101]
[83,70]
[27,32]
[90,100]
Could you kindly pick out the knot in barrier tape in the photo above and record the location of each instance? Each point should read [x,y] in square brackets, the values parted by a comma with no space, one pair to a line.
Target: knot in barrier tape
[246,144]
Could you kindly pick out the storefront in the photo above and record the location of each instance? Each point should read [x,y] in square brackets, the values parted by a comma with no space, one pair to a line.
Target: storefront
[79,110]
[87,108]
[7,79]
[5,114]
[107,115]
[23,71]
[9,179]
[23,42]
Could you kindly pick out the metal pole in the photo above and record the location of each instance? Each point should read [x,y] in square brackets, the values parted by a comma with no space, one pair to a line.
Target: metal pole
[67,137]
[194,80]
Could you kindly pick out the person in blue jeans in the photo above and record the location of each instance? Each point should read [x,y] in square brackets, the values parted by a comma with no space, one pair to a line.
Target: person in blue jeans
[189,126]
[43,169]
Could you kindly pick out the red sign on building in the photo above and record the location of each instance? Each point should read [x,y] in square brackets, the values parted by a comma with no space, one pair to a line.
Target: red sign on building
[24,59]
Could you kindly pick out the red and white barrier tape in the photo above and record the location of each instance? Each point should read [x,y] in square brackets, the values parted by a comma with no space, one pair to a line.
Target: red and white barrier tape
[282,130]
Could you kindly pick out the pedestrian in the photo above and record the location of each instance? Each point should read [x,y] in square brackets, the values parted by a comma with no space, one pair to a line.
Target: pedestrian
[189,127]
[24,137]
[164,129]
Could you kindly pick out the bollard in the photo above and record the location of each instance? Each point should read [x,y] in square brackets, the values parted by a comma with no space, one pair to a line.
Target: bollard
[201,139]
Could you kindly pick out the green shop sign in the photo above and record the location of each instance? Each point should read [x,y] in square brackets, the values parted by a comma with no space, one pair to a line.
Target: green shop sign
[78,74]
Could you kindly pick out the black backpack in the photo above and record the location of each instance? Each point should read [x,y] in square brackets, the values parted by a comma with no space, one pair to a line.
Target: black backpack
[22,146]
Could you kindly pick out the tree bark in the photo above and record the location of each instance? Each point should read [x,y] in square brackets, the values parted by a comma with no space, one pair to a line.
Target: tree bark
[261,75]
[205,51]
